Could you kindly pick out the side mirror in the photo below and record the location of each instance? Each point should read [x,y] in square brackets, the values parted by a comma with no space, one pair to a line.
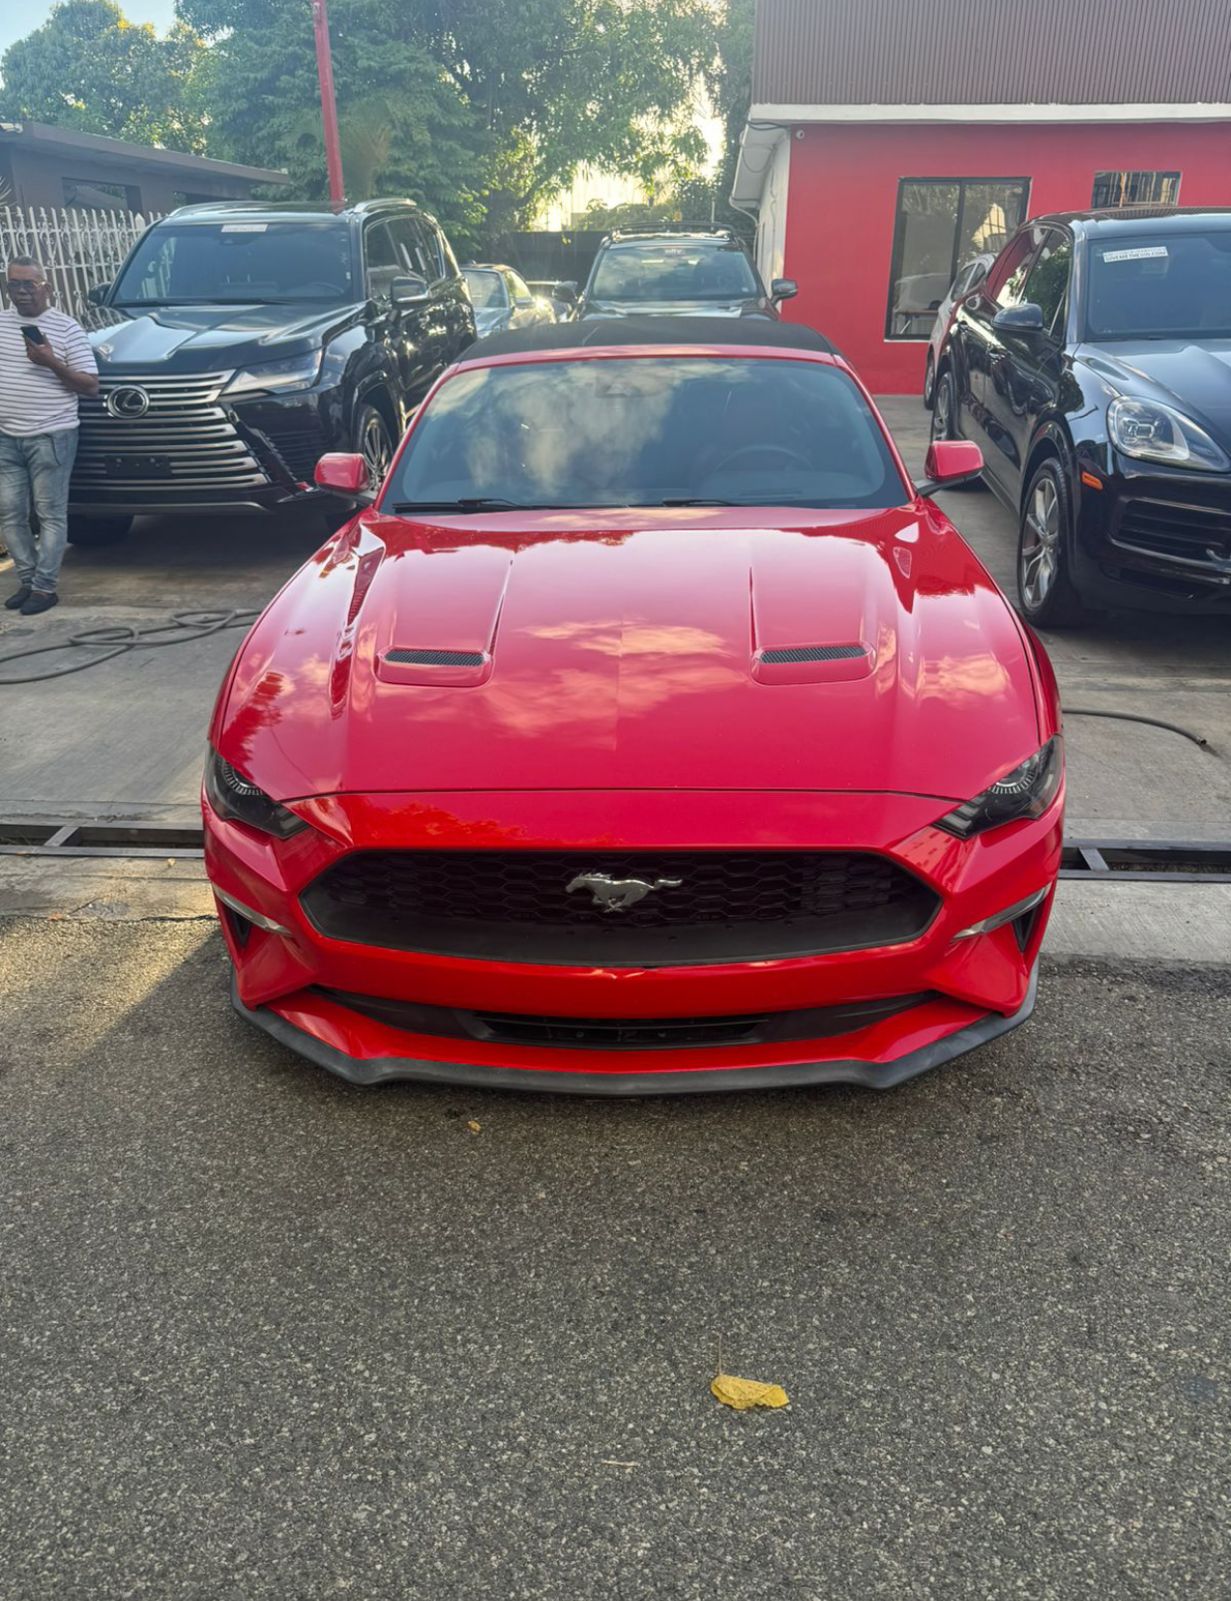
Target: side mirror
[950,462]
[567,290]
[97,294]
[344,474]
[409,290]
[783,289]
[1024,319]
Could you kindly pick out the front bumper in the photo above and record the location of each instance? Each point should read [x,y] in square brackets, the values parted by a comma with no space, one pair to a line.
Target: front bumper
[968,989]
[1154,539]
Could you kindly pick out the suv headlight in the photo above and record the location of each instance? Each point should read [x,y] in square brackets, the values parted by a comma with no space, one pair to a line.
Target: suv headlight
[1025,792]
[1150,431]
[294,372]
[238,800]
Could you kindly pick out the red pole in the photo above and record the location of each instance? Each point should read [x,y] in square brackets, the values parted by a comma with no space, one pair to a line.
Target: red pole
[329,109]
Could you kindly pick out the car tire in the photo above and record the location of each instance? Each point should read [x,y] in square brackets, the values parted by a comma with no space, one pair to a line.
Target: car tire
[929,381]
[373,443]
[1047,596]
[95,532]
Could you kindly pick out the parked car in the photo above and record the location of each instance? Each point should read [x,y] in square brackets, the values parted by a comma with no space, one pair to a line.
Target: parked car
[562,292]
[696,273]
[242,341]
[651,732]
[968,278]
[503,299]
[1093,368]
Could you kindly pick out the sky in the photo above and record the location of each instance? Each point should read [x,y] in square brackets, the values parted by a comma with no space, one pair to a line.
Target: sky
[16,21]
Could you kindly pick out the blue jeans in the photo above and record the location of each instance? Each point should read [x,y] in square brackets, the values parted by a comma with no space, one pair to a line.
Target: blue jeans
[36,467]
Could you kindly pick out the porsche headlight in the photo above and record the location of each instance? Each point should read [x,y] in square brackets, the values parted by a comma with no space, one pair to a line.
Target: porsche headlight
[238,800]
[265,377]
[1150,431]
[1025,792]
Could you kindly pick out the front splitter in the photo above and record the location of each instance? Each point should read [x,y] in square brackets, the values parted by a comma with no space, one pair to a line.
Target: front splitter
[873,1075]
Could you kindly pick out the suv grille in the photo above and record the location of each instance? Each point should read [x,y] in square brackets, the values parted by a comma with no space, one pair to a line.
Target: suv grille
[1196,539]
[185,440]
[517,905]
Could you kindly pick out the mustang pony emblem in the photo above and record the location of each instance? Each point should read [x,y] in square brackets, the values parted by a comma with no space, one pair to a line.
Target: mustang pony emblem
[618,894]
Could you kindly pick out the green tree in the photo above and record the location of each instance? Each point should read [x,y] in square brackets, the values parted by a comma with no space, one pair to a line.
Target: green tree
[493,103]
[89,68]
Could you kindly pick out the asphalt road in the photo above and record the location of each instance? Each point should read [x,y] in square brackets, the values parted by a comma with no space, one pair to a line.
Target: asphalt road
[265,1335]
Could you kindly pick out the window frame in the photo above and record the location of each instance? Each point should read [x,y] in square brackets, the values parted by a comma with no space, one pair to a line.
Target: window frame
[1132,172]
[1022,183]
[1061,313]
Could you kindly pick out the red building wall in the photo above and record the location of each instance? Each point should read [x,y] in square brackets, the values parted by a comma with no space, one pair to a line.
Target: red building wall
[842,203]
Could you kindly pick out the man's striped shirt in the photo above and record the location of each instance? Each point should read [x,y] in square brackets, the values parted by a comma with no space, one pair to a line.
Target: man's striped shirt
[32,398]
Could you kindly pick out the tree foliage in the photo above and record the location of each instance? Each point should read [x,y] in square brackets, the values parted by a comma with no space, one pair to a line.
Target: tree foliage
[89,68]
[492,104]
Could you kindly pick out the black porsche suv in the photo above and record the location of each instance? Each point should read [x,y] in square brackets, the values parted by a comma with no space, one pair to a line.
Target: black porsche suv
[1093,366]
[240,341]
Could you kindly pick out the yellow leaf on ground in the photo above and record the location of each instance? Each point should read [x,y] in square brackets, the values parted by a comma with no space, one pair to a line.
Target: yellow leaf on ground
[745,1393]
[473,1126]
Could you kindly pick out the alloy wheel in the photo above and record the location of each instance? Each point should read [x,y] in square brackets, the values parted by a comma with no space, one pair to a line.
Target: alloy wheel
[375,447]
[1040,544]
[942,408]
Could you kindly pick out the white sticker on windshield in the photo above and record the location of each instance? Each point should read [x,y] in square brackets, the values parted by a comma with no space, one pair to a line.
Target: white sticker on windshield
[244,227]
[1139,253]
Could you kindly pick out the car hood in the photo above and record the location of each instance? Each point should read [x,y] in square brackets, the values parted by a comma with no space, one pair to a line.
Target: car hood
[631,658]
[487,322]
[1195,378]
[678,308]
[212,338]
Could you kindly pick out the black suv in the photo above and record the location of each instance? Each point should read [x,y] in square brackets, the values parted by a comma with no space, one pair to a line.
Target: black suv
[1093,366]
[685,272]
[240,341]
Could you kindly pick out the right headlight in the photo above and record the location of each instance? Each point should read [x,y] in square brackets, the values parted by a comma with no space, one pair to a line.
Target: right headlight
[1025,792]
[1150,431]
[239,800]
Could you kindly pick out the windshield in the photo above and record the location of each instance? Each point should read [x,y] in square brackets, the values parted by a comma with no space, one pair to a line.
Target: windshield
[648,431]
[487,291]
[261,262]
[1160,286]
[688,270]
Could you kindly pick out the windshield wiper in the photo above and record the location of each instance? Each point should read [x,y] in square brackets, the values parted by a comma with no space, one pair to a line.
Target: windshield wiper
[689,500]
[469,503]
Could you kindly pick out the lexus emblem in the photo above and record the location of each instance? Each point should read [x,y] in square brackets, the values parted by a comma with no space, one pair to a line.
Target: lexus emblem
[127,400]
[618,894]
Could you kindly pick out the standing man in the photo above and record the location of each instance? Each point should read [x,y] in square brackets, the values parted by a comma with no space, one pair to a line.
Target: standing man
[45,363]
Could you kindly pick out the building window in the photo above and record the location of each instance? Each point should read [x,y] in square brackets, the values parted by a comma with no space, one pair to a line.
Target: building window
[1136,189]
[94,194]
[942,224]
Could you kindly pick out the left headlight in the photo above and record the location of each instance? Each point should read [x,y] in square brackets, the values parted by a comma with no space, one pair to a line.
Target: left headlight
[294,372]
[238,800]
[1150,431]
[1025,792]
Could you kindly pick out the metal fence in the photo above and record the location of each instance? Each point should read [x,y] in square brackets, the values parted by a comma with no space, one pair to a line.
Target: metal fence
[78,248]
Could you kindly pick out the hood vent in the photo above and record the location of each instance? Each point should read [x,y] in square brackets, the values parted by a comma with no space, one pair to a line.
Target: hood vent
[436,658]
[812,653]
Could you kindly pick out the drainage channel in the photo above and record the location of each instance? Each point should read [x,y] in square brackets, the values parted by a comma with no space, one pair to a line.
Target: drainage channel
[1156,861]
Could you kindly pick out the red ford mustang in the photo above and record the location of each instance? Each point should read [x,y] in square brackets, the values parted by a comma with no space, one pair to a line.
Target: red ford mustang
[651,732]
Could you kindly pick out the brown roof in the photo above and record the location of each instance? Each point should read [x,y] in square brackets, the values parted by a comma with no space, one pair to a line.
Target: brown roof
[992,52]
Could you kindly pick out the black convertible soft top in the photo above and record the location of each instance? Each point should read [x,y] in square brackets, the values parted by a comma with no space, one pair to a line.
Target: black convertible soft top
[609,331]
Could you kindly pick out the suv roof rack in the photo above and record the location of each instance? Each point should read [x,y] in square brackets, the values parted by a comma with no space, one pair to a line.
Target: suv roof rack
[718,229]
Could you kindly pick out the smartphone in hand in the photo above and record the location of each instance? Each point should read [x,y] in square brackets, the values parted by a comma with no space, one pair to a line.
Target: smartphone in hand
[34,334]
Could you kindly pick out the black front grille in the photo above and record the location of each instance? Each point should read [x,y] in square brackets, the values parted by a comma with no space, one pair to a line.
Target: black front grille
[553,906]
[1194,539]
[300,446]
[812,653]
[627,1033]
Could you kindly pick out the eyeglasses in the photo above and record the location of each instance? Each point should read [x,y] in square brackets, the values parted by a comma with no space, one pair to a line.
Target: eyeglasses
[22,286]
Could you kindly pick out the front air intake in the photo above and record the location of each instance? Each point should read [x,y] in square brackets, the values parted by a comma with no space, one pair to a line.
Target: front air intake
[436,658]
[812,653]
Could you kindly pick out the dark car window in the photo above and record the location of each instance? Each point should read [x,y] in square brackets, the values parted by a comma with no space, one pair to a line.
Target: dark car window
[383,261]
[1047,285]
[1160,286]
[487,290]
[1007,278]
[409,242]
[688,270]
[262,262]
[621,431]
